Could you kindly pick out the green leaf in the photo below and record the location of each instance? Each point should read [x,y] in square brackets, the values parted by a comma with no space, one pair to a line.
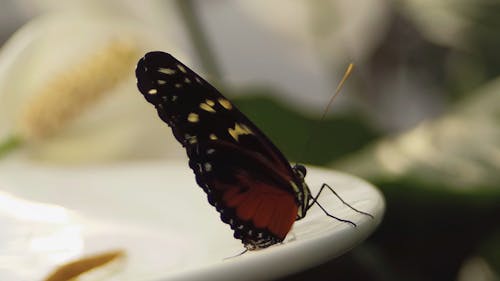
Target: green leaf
[8,145]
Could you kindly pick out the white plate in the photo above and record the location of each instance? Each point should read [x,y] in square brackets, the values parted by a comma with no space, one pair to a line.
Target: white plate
[160,217]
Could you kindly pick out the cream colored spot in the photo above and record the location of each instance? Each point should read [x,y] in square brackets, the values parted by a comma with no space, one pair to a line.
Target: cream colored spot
[210,102]
[167,71]
[208,167]
[213,137]
[239,130]
[206,107]
[225,103]
[153,92]
[306,191]
[193,117]
[197,80]
[295,187]
[187,80]
[161,82]
[191,139]
[178,85]
[181,68]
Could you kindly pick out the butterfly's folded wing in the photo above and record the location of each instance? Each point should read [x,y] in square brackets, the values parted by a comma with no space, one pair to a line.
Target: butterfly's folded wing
[245,176]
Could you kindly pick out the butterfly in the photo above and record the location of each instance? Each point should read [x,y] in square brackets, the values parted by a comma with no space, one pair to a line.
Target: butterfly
[245,176]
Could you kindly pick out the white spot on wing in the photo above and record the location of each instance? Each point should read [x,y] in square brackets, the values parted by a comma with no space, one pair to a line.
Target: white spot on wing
[167,71]
[198,167]
[181,68]
[208,167]
[193,117]
[207,107]
[225,103]
[190,139]
[239,130]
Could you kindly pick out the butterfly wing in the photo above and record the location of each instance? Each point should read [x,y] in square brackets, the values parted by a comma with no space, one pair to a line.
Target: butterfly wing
[245,176]
[246,191]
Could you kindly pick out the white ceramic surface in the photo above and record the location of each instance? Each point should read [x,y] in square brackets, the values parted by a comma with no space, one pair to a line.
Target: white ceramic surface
[160,217]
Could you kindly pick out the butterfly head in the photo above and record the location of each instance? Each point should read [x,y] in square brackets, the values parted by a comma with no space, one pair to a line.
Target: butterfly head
[300,170]
[302,192]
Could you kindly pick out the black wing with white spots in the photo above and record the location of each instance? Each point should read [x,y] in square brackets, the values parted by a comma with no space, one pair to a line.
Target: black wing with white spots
[195,109]
[245,176]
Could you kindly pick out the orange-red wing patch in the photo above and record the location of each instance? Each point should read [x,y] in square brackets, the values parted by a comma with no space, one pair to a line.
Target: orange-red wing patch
[265,206]
[266,211]
[283,220]
[233,197]
[288,217]
[247,208]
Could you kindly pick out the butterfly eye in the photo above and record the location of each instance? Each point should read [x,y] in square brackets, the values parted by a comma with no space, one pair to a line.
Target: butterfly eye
[301,170]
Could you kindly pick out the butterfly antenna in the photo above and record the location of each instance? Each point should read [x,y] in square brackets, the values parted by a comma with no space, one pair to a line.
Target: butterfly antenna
[347,73]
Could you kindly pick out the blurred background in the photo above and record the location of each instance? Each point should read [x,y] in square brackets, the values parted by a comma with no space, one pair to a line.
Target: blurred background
[419,117]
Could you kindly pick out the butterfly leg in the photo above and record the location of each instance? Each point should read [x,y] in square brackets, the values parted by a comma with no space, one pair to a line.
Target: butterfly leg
[237,255]
[340,198]
[330,215]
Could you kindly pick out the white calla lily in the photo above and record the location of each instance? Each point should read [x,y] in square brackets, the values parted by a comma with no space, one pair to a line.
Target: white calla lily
[459,149]
[297,47]
[68,93]
[443,22]
[338,28]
